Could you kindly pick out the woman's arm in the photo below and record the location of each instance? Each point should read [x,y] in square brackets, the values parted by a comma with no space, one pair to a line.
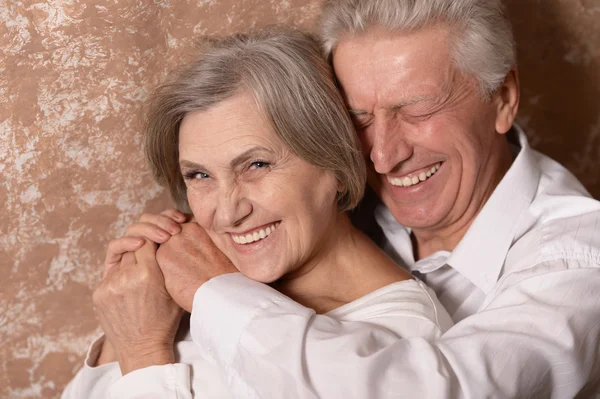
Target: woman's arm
[136,359]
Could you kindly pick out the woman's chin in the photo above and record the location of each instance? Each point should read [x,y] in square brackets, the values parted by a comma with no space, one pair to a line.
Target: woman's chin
[262,276]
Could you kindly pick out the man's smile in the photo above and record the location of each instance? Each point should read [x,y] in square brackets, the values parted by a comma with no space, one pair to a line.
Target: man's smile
[415,177]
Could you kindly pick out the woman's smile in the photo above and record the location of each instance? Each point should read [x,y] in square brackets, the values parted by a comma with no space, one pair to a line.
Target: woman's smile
[253,238]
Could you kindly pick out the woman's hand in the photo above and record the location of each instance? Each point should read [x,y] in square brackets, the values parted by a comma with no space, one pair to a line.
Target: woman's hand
[188,260]
[156,228]
[137,314]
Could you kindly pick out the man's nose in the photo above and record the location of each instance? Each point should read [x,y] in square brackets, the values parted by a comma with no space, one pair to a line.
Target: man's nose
[389,144]
[233,206]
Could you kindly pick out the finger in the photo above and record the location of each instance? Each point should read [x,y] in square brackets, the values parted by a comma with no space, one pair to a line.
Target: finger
[149,231]
[128,259]
[146,255]
[116,249]
[166,223]
[176,215]
[194,229]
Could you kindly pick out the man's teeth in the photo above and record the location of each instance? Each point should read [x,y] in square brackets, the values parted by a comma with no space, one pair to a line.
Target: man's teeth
[253,237]
[408,181]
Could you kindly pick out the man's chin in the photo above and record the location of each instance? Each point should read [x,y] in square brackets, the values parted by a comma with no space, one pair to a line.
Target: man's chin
[416,217]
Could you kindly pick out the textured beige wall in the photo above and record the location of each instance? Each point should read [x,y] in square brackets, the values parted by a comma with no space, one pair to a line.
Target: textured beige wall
[73,74]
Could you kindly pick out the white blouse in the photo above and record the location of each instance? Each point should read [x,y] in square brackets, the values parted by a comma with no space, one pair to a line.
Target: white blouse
[400,310]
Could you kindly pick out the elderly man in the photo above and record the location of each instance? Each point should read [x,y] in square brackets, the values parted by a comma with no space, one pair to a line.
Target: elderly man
[508,238]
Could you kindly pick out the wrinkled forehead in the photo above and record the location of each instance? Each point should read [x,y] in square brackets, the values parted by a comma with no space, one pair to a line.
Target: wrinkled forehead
[377,47]
[226,128]
[383,64]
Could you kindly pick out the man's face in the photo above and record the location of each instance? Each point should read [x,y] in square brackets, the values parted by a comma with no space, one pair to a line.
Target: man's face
[429,138]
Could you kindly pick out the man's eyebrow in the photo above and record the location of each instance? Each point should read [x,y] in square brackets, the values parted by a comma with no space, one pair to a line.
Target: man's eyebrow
[359,112]
[408,102]
[244,156]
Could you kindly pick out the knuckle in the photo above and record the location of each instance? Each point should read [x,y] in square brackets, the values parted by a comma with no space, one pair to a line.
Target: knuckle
[160,254]
[163,256]
[145,216]
[112,244]
[98,296]
[140,279]
[171,211]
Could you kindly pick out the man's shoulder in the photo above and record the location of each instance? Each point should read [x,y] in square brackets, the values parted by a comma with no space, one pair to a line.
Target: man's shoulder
[562,221]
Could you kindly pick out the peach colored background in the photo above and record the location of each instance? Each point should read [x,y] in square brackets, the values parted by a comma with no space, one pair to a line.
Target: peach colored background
[73,74]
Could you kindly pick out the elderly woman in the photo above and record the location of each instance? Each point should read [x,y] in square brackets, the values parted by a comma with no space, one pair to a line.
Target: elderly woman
[254,139]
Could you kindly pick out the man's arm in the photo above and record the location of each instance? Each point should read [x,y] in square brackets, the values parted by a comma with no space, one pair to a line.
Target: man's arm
[538,337]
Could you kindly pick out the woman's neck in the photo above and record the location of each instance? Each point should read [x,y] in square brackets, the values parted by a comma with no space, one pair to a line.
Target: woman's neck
[347,266]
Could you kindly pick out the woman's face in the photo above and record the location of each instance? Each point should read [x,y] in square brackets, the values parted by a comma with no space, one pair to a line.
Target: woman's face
[268,210]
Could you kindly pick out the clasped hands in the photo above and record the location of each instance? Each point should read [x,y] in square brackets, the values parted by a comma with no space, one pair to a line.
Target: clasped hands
[146,287]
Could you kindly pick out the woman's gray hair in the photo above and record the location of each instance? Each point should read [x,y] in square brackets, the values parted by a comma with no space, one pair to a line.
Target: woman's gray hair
[293,86]
[483,45]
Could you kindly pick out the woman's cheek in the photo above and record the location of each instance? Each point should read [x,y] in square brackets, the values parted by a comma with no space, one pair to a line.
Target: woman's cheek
[201,207]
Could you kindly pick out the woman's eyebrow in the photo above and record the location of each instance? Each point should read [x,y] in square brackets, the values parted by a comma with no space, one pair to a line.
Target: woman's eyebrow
[190,165]
[243,157]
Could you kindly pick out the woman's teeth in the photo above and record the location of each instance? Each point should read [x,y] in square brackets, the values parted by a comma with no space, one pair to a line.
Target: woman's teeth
[256,236]
[408,181]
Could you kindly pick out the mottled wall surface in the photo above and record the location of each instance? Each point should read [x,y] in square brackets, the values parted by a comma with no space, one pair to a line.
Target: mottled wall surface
[73,76]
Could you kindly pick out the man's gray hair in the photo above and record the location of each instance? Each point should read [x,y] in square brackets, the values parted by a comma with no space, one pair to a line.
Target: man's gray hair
[482,41]
[293,86]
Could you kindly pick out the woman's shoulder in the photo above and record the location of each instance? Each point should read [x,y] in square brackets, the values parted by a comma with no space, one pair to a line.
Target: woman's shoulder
[408,307]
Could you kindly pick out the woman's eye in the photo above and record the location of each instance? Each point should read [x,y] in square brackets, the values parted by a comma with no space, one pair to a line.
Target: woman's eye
[259,165]
[193,175]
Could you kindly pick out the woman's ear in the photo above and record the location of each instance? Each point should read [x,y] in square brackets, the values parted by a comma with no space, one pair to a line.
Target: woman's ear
[341,187]
[507,101]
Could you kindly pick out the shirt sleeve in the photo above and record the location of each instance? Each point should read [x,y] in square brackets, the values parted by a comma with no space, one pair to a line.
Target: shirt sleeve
[538,337]
[170,381]
[92,382]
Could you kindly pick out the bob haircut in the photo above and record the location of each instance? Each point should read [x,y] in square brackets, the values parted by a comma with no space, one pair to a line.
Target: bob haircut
[293,86]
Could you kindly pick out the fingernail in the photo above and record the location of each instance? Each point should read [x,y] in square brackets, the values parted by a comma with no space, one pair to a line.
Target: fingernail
[174,229]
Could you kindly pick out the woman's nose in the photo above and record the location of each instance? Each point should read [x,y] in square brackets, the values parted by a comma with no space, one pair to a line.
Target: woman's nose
[233,206]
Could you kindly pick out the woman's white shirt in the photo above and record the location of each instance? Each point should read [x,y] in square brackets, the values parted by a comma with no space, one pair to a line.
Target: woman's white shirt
[400,310]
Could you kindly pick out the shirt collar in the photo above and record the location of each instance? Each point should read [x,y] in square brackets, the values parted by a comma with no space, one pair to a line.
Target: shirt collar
[480,254]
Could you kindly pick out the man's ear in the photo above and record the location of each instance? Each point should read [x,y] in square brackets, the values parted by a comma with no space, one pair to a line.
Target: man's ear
[506,99]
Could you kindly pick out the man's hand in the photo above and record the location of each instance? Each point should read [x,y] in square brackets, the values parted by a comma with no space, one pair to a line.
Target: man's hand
[136,312]
[188,260]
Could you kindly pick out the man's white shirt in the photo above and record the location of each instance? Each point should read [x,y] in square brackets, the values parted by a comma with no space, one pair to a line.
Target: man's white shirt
[523,286]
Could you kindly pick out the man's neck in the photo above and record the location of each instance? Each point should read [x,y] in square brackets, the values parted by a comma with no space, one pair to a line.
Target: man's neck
[445,238]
